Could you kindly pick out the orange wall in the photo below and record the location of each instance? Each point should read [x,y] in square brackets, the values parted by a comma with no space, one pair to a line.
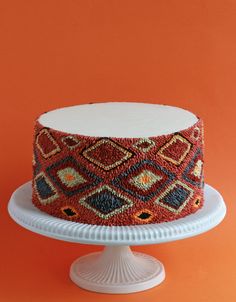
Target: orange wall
[60,53]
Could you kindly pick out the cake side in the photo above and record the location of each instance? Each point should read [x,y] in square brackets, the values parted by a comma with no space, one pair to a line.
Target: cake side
[118,181]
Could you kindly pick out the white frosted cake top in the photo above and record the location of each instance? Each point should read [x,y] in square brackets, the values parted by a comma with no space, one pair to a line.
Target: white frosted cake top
[119,119]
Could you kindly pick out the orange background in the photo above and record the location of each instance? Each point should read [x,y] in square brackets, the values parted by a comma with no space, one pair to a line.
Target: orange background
[61,53]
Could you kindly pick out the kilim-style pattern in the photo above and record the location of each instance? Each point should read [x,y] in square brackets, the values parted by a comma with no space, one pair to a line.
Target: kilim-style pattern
[46,143]
[71,177]
[106,154]
[69,211]
[106,202]
[70,141]
[44,189]
[118,181]
[144,180]
[176,149]
[175,197]
[144,144]
[144,216]
[194,170]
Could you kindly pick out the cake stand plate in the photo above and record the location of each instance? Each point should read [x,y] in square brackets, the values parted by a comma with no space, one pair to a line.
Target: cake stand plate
[116,269]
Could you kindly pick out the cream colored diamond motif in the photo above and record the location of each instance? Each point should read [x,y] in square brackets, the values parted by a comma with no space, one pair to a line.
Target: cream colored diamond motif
[70,177]
[147,144]
[174,141]
[145,180]
[101,147]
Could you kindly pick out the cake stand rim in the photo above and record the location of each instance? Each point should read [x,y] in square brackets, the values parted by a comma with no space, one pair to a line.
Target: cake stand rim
[31,218]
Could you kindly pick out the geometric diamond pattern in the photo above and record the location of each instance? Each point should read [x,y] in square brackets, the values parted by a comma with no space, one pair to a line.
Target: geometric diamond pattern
[197,202]
[144,180]
[196,133]
[175,150]
[46,144]
[69,211]
[150,179]
[144,215]
[70,141]
[44,189]
[175,197]
[106,154]
[71,177]
[106,202]
[193,173]
[144,144]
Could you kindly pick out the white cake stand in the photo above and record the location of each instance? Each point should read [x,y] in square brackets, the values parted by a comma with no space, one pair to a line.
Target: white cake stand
[117,269]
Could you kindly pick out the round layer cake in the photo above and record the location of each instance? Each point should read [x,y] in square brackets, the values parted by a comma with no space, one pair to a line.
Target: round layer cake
[118,163]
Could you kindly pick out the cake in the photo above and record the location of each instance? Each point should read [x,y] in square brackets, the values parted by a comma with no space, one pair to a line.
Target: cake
[118,163]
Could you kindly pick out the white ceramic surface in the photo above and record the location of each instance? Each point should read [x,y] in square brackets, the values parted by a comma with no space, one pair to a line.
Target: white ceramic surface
[117,270]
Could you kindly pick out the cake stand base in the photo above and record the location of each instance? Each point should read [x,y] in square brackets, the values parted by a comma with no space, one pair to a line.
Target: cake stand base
[117,270]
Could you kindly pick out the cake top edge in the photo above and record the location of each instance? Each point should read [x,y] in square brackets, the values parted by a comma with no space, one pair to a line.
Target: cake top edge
[118,119]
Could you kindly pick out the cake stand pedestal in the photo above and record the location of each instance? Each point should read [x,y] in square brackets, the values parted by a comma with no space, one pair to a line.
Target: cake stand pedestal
[116,269]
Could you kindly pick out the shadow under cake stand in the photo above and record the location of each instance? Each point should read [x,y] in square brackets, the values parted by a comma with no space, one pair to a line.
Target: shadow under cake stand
[116,269]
